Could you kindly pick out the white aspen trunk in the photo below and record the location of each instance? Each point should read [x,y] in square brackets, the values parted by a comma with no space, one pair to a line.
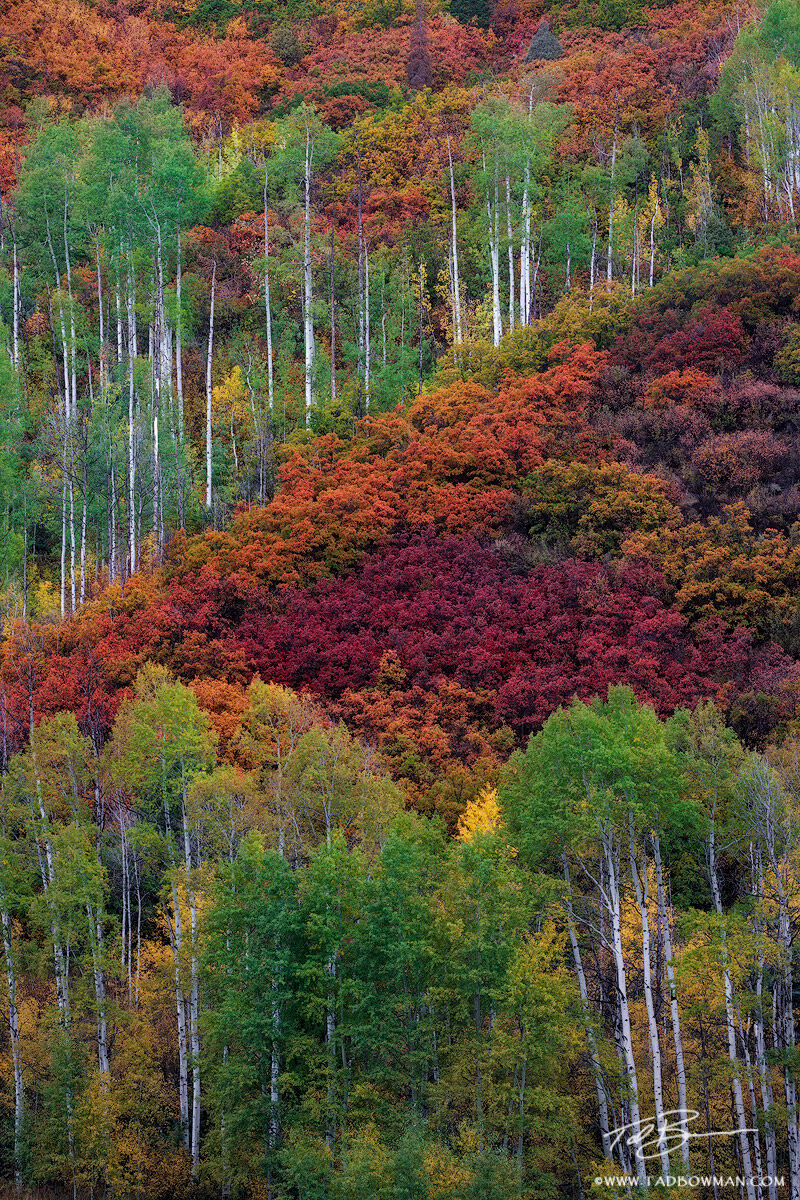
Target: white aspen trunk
[494,251]
[457,331]
[330,1034]
[274,1074]
[57,276]
[383,322]
[118,303]
[775,835]
[593,262]
[72,538]
[626,1035]
[610,252]
[526,244]
[308,291]
[333,313]
[367,364]
[103,352]
[157,332]
[96,942]
[748,1068]
[127,936]
[176,940]
[525,252]
[16,299]
[25,559]
[126,899]
[179,334]
[131,304]
[597,1070]
[194,1002]
[765,1081]
[47,872]
[680,1066]
[67,386]
[764,1075]
[786,1026]
[510,235]
[532,296]
[641,887]
[84,505]
[267,302]
[195,1048]
[138,930]
[223,1140]
[67,473]
[736,1080]
[360,235]
[653,241]
[63,515]
[209,393]
[450,285]
[13,1029]
[73,340]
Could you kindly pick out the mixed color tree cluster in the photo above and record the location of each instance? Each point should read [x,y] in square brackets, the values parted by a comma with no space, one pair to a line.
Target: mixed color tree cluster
[400,599]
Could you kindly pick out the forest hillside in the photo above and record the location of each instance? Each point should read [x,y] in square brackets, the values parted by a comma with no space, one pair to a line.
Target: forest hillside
[399,599]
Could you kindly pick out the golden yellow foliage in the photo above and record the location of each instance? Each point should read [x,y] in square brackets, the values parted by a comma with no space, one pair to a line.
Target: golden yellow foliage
[481,815]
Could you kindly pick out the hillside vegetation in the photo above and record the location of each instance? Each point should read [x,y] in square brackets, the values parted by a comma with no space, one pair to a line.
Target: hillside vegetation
[400,651]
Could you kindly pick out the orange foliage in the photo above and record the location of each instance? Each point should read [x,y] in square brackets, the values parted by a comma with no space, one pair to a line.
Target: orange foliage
[690,386]
[449,463]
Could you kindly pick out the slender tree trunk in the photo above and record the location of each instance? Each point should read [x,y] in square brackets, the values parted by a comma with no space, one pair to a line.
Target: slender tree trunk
[209,393]
[194,1002]
[673,998]
[330,1039]
[593,261]
[16,302]
[611,856]
[176,939]
[363,386]
[158,378]
[730,1026]
[510,235]
[13,1028]
[84,505]
[96,942]
[103,347]
[421,304]
[525,252]
[267,301]
[333,310]
[274,1075]
[308,291]
[367,356]
[597,1070]
[653,241]
[610,252]
[73,340]
[72,537]
[179,334]
[131,301]
[63,515]
[457,330]
[641,887]
[493,214]
[118,305]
